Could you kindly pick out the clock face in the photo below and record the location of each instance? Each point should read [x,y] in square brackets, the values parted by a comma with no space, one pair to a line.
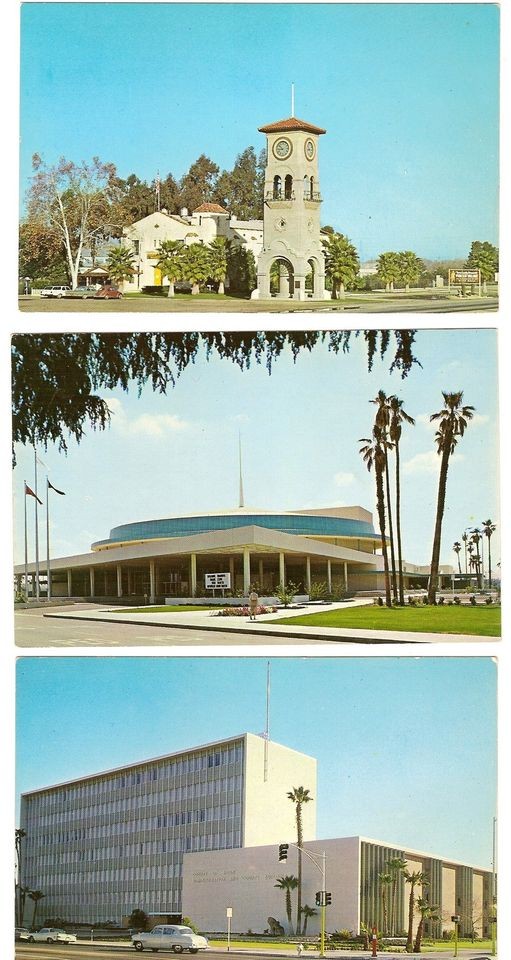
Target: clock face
[310,149]
[282,148]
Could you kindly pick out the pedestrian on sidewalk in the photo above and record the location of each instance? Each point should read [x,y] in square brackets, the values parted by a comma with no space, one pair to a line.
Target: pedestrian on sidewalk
[253,601]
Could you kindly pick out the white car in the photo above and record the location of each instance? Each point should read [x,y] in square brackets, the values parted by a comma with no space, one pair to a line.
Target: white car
[165,937]
[59,291]
[52,935]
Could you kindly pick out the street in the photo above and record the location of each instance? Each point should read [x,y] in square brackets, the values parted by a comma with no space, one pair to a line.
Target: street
[81,951]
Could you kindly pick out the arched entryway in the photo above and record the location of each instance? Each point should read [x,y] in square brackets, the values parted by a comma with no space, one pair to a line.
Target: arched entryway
[281,278]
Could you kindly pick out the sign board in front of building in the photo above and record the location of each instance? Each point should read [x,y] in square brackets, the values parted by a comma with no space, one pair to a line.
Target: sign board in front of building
[217,581]
[464,276]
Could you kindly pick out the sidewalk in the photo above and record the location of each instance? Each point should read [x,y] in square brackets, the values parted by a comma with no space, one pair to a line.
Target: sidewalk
[264,627]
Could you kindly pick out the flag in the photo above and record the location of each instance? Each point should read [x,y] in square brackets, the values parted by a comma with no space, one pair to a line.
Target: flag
[51,487]
[30,493]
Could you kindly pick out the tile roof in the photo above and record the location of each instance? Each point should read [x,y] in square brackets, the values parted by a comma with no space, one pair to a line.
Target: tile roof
[292,123]
[210,208]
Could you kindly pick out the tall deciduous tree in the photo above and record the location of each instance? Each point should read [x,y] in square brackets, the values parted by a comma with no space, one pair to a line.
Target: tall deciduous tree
[485,257]
[452,422]
[56,377]
[41,256]
[341,262]
[299,796]
[198,185]
[75,202]
[241,189]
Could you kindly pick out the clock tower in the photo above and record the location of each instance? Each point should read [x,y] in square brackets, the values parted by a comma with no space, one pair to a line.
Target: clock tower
[291,231]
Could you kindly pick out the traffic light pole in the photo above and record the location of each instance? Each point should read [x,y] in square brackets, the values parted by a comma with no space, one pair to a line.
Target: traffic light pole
[320,864]
[323,906]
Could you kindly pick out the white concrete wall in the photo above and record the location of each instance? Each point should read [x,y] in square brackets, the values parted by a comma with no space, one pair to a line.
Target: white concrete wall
[245,880]
[269,814]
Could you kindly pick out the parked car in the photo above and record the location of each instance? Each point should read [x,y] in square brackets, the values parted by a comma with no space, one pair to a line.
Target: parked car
[21,933]
[108,293]
[82,292]
[60,291]
[52,935]
[175,938]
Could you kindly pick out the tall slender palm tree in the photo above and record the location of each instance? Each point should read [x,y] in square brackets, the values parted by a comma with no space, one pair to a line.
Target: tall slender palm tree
[307,912]
[36,896]
[452,423]
[488,528]
[385,880]
[19,836]
[464,537]
[396,867]
[373,455]
[169,262]
[397,418]
[382,421]
[427,912]
[415,878]
[299,796]
[287,884]
[476,540]
[457,549]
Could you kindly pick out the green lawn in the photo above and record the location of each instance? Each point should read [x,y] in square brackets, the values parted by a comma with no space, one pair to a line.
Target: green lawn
[438,946]
[481,621]
[178,608]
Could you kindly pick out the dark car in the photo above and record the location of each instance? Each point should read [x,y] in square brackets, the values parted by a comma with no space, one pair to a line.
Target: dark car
[108,293]
[82,292]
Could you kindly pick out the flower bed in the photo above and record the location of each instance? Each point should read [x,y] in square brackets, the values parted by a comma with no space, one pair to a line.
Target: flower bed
[242,611]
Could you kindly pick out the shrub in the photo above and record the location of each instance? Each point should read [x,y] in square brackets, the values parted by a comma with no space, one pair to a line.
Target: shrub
[156,291]
[286,592]
[318,591]
[457,600]
[441,601]
[488,600]
[473,600]
[425,600]
[380,601]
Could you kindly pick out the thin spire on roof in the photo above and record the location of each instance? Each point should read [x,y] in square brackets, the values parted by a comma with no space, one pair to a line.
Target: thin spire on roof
[241,503]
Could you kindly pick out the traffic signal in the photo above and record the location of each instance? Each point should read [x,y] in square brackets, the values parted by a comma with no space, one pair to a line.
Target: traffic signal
[283,848]
[328,899]
[319,898]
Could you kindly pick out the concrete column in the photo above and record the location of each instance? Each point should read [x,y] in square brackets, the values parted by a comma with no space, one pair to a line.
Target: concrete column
[32,578]
[69,584]
[193,573]
[261,575]
[246,571]
[152,581]
[308,582]
[282,569]
[92,585]
[263,286]
[345,576]
[232,574]
[299,288]
[329,575]
[119,580]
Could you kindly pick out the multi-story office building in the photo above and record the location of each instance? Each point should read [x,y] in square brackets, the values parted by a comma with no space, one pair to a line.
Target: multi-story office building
[111,842]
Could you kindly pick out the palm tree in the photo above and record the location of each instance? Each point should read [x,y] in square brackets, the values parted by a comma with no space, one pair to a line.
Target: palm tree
[457,549]
[287,884]
[195,265]
[341,263]
[19,836]
[382,420]
[397,418]
[396,866]
[414,878]
[427,912]
[374,454]
[476,540]
[120,263]
[464,537]
[385,881]
[410,268]
[170,262]
[488,528]
[387,268]
[306,913]
[452,422]
[36,896]
[218,261]
[299,796]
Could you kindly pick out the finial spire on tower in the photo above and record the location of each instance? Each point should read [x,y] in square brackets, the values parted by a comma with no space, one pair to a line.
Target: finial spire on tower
[241,503]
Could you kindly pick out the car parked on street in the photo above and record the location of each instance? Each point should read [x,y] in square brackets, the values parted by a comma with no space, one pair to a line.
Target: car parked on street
[81,292]
[59,291]
[165,937]
[108,293]
[21,933]
[52,935]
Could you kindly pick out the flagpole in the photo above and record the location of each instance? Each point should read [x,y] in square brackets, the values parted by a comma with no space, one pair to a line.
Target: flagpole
[26,540]
[48,572]
[37,586]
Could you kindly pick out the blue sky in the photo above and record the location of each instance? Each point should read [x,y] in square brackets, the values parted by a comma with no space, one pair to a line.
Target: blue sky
[407,92]
[300,430]
[397,739]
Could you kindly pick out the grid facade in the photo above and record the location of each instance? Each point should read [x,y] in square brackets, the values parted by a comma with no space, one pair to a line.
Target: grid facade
[107,844]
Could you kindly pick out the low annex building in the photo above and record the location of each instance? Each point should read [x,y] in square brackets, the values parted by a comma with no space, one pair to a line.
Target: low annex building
[245,880]
[155,560]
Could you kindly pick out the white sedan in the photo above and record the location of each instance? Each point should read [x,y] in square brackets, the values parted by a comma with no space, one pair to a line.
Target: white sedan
[166,937]
[52,935]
